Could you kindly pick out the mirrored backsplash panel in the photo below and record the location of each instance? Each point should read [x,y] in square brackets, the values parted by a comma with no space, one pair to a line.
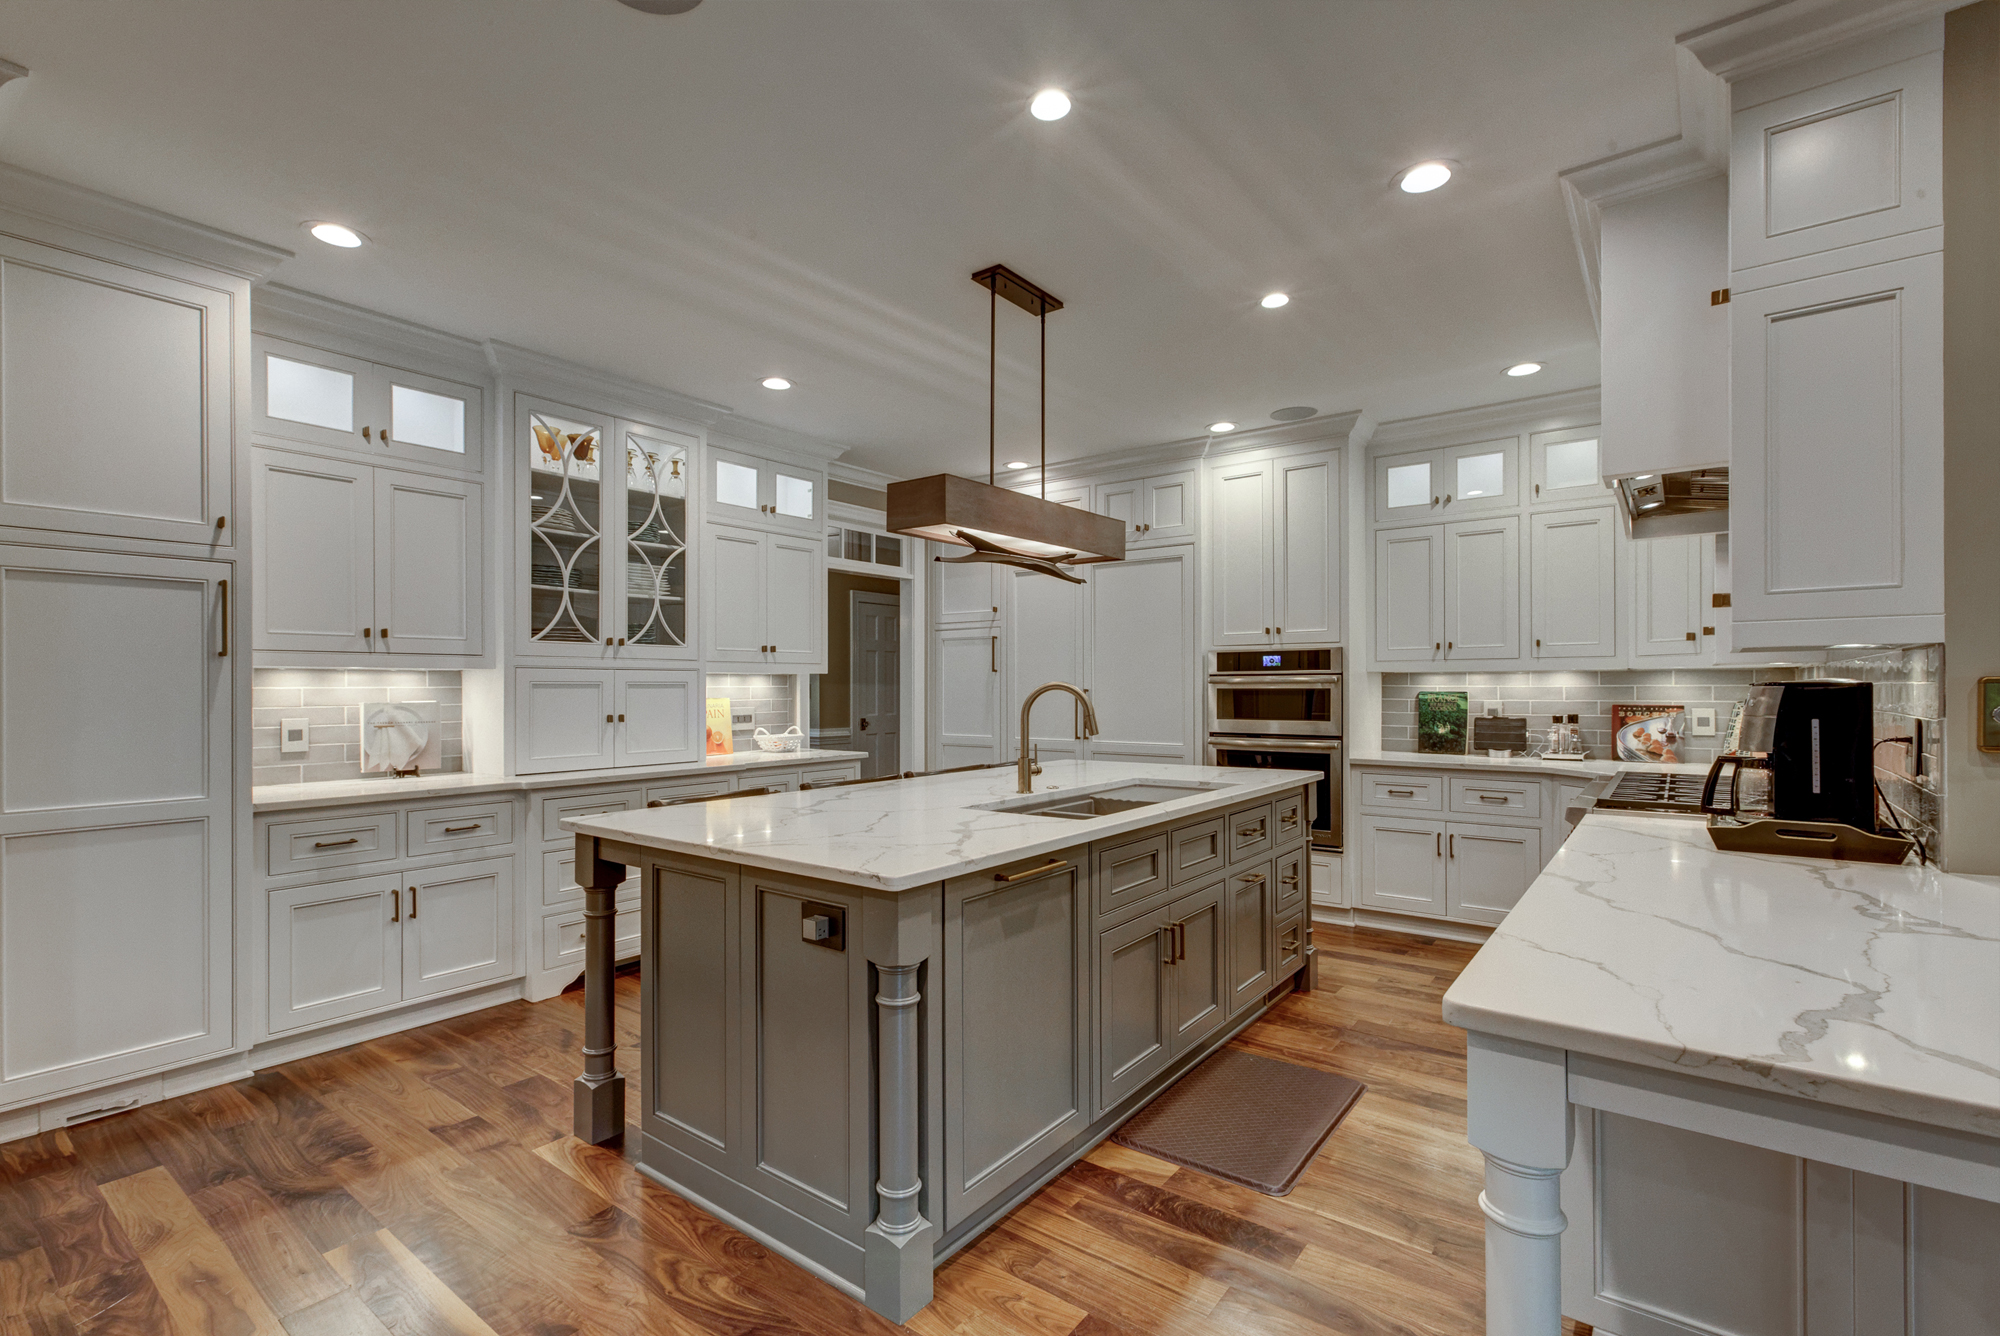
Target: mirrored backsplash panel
[331,701]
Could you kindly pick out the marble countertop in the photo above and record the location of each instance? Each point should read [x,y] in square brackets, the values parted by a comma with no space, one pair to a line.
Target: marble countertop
[1592,768]
[1872,987]
[916,832]
[384,789]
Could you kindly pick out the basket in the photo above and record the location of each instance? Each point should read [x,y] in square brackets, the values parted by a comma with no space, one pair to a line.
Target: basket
[788,741]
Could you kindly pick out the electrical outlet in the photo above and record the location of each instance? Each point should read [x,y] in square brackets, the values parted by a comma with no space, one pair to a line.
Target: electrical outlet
[1701,721]
[293,737]
[744,718]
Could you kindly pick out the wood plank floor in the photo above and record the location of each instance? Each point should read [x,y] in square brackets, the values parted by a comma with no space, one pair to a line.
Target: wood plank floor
[423,1185]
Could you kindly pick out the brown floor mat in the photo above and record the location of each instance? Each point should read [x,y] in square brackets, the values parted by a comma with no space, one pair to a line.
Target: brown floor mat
[1243,1118]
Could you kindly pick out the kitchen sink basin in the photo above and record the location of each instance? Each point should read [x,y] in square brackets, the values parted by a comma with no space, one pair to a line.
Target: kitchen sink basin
[1099,802]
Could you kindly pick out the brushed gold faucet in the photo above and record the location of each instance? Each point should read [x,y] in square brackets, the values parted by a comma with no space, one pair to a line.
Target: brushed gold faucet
[1026,769]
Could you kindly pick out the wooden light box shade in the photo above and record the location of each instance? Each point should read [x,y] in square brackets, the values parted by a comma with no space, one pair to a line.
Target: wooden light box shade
[941,506]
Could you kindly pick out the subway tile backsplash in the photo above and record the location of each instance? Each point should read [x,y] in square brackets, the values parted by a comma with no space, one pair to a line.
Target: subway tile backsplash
[331,700]
[1909,686]
[766,697]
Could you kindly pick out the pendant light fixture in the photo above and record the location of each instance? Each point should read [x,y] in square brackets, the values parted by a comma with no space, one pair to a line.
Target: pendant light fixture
[1000,526]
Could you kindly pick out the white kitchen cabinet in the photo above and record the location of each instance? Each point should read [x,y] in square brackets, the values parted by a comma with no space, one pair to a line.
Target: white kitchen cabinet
[333,950]
[1153,510]
[1482,589]
[965,698]
[1837,474]
[962,593]
[458,927]
[1488,868]
[767,598]
[661,717]
[117,812]
[118,383]
[1274,550]
[596,718]
[1409,594]
[327,400]
[765,493]
[1408,486]
[1670,599]
[1141,630]
[1403,864]
[1440,484]
[1572,583]
[356,560]
[1044,642]
[1565,467]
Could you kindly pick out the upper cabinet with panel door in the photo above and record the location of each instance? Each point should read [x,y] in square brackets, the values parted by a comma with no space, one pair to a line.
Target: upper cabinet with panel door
[328,400]
[1274,549]
[765,493]
[1153,510]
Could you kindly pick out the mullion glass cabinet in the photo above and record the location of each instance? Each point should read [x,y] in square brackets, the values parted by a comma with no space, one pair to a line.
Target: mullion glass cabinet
[608,568]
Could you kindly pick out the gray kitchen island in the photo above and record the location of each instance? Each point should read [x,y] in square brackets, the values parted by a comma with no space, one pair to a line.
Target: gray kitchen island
[875,1018]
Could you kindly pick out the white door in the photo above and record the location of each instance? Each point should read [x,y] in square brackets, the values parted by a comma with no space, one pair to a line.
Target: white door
[1668,608]
[1044,643]
[117,797]
[875,680]
[1142,670]
[661,717]
[563,719]
[1240,554]
[1167,507]
[458,926]
[1409,594]
[1482,589]
[1837,460]
[427,564]
[1402,864]
[1565,467]
[119,396]
[335,950]
[314,554]
[734,562]
[795,600]
[1572,585]
[1307,503]
[966,699]
[1488,868]
[1483,476]
[1408,487]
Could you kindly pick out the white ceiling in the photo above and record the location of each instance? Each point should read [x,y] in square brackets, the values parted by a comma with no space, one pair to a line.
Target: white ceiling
[803,187]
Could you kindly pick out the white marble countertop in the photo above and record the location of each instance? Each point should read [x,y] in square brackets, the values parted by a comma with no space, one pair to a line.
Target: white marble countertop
[384,789]
[1857,984]
[1592,768]
[916,832]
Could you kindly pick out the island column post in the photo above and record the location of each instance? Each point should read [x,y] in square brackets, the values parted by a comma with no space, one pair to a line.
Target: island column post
[898,930]
[600,1091]
[1518,1115]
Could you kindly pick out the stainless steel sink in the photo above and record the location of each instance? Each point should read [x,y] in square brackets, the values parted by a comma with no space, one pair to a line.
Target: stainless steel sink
[1099,802]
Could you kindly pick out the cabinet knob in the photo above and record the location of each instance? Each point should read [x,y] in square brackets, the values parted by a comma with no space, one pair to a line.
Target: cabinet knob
[621,640]
[1708,630]
[1267,630]
[367,433]
[608,719]
[367,633]
[1692,636]
[621,718]
[1447,644]
[1281,630]
[385,633]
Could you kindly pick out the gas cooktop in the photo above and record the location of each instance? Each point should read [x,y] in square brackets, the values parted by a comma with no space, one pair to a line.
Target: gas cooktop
[1654,793]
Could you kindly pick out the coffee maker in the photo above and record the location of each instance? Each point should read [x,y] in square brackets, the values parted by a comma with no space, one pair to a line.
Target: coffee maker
[1816,741]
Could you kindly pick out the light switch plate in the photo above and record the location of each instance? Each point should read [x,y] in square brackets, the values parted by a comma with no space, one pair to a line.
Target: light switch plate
[293,737]
[1701,721]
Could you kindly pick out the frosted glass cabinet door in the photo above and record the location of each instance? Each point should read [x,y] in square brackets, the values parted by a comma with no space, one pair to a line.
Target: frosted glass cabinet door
[299,393]
[1565,467]
[1408,486]
[314,553]
[427,564]
[747,489]
[116,812]
[116,398]
[427,420]
[1485,475]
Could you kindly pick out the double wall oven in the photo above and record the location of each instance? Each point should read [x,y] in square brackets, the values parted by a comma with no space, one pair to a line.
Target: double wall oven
[1281,710]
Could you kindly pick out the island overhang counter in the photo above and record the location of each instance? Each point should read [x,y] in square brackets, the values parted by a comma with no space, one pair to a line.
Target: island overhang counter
[876,1017]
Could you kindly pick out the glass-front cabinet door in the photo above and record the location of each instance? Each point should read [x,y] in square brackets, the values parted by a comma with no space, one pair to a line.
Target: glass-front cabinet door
[746,489]
[655,582]
[1566,467]
[1485,475]
[323,398]
[566,555]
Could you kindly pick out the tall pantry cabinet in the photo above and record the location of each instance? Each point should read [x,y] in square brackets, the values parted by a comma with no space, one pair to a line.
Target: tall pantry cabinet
[124,779]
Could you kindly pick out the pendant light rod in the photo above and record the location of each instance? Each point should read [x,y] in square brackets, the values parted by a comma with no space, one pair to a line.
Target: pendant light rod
[1045,398]
[992,370]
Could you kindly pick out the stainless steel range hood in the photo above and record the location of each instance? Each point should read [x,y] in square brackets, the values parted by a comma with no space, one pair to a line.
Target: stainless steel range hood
[1663,505]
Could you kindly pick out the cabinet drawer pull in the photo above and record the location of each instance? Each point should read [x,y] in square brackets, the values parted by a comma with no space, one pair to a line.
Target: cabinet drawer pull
[1290,818]
[1290,881]
[1493,798]
[222,592]
[1401,793]
[335,844]
[1251,876]
[460,830]
[1454,846]
[395,906]
[1291,942]
[1440,845]
[413,902]
[1250,832]
[1053,865]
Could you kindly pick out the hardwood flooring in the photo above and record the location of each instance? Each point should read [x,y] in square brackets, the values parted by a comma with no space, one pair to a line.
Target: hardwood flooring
[424,1185]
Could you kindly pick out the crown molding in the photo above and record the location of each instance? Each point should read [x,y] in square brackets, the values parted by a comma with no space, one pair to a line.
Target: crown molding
[1784,31]
[767,436]
[860,477]
[305,316]
[38,196]
[1546,412]
[1339,427]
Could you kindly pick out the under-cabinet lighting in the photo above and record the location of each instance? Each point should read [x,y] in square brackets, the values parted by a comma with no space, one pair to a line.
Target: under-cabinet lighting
[1424,177]
[1051,104]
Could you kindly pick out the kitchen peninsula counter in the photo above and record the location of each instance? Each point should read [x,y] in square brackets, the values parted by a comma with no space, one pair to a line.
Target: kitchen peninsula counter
[876,1018]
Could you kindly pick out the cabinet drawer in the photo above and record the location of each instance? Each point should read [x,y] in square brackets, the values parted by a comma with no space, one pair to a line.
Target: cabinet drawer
[1291,940]
[1291,879]
[1496,797]
[1416,793]
[1129,874]
[1195,852]
[827,774]
[705,786]
[559,885]
[435,830]
[1248,830]
[562,939]
[556,810]
[338,841]
[1291,819]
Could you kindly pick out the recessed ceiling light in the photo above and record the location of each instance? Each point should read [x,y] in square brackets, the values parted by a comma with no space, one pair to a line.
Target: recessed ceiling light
[1051,104]
[1425,176]
[776,383]
[1297,413]
[333,234]
[1524,368]
[1219,427]
[1017,463]
[1273,300]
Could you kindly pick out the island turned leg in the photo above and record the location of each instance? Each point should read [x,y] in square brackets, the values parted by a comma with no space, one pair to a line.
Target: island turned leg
[899,1244]
[1518,1115]
[600,1091]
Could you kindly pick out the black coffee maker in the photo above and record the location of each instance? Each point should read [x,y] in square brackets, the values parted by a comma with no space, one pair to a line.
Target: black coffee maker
[1816,740]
